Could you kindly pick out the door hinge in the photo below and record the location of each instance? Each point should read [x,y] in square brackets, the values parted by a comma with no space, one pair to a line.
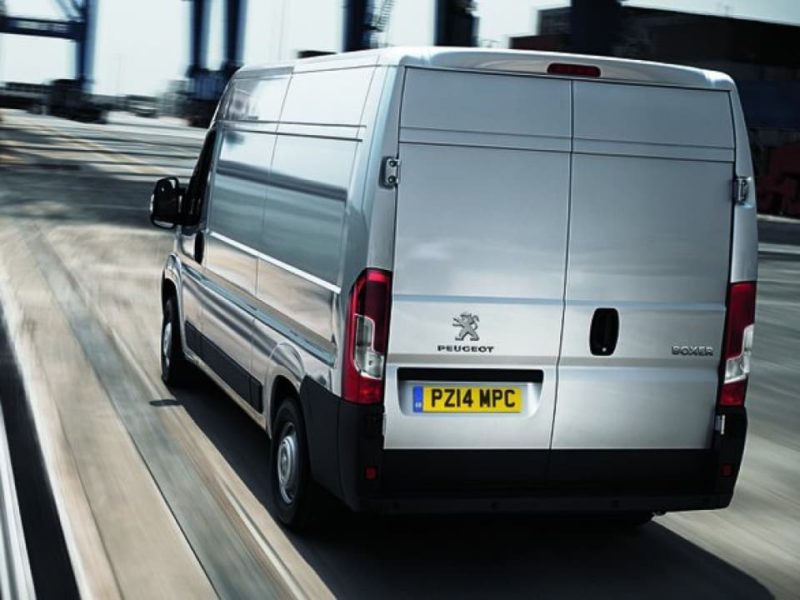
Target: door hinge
[390,172]
[741,189]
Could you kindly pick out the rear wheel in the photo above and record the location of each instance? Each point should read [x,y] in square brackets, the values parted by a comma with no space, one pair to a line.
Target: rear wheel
[295,494]
[174,366]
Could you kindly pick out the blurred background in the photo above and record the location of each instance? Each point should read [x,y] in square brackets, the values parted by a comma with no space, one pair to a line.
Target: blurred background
[83,58]
[167,489]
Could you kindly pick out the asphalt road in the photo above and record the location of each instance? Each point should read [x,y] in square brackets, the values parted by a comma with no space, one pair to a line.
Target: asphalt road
[79,268]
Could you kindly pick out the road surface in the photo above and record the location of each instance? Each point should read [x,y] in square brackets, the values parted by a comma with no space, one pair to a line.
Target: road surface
[165,492]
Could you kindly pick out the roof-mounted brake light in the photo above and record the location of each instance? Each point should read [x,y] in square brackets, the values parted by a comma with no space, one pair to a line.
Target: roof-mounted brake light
[573,70]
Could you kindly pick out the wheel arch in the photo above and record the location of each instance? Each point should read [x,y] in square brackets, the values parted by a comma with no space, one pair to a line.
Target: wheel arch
[168,290]
[282,387]
[170,279]
[171,287]
[284,376]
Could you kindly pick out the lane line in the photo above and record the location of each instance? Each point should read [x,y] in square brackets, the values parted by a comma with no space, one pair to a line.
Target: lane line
[22,304]
[268,551]
[766,248]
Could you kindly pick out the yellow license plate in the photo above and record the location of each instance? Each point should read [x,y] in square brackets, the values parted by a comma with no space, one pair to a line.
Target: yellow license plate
[470,399]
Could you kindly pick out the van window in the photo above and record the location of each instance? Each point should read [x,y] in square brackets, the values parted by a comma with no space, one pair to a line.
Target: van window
[306,203]
[327,97]
[255,99]
[239,185]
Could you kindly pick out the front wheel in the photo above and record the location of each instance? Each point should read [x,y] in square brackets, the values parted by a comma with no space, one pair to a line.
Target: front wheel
[295,494]
[174,366]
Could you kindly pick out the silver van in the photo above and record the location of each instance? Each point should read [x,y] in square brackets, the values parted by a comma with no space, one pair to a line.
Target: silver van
[462,280]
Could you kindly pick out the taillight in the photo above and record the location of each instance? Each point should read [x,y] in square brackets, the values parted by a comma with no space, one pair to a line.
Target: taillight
[367,336]
[739,324]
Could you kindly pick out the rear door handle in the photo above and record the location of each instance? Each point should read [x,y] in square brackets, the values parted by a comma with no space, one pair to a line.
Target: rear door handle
[604,333]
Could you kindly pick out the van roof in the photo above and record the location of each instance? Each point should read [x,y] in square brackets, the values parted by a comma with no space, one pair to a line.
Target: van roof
[509,61]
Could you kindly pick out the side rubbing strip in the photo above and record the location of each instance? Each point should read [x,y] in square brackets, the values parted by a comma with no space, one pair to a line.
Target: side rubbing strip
[194,339]
[237,377]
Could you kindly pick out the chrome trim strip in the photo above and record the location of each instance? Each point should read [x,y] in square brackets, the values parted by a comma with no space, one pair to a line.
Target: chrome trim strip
[653,150]
[350,133]
[252,126]
[331,287]
[485,139]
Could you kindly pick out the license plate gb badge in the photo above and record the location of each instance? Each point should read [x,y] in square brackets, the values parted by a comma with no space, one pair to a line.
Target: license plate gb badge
[419,403]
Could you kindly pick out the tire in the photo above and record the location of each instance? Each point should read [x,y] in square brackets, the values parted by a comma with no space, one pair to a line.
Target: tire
[174,366]
[296,496]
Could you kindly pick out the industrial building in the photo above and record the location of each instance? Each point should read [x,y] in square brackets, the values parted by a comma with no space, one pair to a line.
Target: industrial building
[763,58]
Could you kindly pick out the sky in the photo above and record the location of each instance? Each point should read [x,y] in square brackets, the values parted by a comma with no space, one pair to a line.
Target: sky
[143,44]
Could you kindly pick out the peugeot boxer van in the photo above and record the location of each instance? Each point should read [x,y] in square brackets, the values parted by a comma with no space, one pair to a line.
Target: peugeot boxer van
[462,280]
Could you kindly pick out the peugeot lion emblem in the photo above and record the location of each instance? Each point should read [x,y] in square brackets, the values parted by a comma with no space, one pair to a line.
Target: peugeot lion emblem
[468,324]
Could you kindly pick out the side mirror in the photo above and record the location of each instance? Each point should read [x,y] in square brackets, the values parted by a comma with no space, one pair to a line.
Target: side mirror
[165,203]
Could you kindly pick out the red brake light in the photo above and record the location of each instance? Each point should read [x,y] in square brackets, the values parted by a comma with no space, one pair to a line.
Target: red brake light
[739,325]
[367,338]
[573,70]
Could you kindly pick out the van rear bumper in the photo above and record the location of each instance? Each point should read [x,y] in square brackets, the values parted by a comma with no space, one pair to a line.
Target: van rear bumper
[346,443]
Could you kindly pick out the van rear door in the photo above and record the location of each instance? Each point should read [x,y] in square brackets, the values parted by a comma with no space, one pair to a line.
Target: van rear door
[480,250]
[648,266]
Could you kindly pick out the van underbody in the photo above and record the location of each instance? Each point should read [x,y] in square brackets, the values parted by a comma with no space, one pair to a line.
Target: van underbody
[346,440]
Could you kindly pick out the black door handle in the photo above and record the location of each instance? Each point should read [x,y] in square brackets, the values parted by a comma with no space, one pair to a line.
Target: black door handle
[604,333]
[199,246]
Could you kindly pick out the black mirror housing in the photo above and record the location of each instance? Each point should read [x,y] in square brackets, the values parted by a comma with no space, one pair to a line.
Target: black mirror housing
[165,203]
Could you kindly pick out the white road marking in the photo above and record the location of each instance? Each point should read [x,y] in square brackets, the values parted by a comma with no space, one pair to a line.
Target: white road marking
[779,249]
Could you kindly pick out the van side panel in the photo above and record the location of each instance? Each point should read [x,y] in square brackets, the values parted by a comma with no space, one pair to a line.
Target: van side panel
[299,249]
[232,228]
[301,241]
[305,205]
[372,206]
[650,223]
[333,97]
[744,252]
[234,215]
[235,212]
[254,100]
